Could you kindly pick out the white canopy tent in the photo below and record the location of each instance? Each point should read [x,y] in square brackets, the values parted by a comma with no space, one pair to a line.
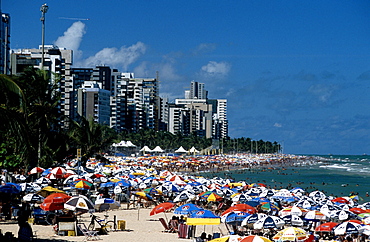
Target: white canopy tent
[125,144]
[193,150]
[146,149]
[181,150]
[158,149]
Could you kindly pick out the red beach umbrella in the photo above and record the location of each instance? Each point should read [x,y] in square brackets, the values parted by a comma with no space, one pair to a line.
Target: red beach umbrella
[36,170]
[240,207]
[54,201]
[340,200]
[357,210]
[326,227]
[58,172]
[163,207]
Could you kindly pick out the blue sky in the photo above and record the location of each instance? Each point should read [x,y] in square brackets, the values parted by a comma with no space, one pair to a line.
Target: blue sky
[296,72]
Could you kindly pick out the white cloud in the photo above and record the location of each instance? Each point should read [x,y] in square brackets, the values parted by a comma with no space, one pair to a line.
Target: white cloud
[204,48]
[72,38]
[322,92]
[214,68]
[119,58]
[277,125]
[165,70]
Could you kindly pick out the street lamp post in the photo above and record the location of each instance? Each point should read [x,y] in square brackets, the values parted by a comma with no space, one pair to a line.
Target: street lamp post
[44,8]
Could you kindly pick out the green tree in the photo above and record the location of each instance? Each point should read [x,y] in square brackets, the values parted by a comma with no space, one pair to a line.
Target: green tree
[91,137]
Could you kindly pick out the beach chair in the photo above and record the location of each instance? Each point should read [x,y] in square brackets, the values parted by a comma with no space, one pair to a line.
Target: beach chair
[89,234]
[165,226]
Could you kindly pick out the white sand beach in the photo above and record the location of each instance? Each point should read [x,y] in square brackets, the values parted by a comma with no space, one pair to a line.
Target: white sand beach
[140,226]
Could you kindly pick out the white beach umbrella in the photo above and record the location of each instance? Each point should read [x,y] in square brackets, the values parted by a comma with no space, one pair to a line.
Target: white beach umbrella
[348,228]
[269,222]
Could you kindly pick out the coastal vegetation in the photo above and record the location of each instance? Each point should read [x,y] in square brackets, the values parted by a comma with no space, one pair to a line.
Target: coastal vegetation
[31,133]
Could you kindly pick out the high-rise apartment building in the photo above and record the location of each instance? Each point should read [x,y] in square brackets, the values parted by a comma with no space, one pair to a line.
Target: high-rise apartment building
[197,91]
[202,116]
[142,103]
[94,102]
[56,60]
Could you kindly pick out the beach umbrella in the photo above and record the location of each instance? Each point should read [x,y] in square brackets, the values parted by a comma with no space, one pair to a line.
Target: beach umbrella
[184,196]
[348,228]
[162,208]
[255,238]
[326,209]
[210,196]
[317,195]
[235,217]
[357,210]
[267,193]
[54,201]
[46,191]
[305,203]
[119,189]
[291,234]
[365,217]
[83,184]
[326,227]
[153,191]
[33,198]
[36,170]
[10,188]
[43,180]
[269,222]
[315,215]
[143,195]
[293,210]
[340,200]
[203,217]
[268,206]
[106,204]
[58,172]
[57,198]
[293,220]
[342,215]
[79,203]
[241,207]
[251,219]
[241,197]
[186,209]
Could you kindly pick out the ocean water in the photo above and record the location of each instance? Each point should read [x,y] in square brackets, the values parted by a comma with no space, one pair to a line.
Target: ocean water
[335,175]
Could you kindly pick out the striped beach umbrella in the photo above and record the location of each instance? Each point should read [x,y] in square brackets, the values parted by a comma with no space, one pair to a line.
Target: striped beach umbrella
[58,172]
[79,203]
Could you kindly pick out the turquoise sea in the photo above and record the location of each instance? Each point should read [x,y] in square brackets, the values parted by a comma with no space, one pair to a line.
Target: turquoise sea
[338,175]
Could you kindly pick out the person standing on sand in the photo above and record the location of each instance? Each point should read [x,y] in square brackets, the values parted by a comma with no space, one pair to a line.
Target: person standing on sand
[25,231]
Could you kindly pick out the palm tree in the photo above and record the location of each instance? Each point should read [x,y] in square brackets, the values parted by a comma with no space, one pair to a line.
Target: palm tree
[90,136]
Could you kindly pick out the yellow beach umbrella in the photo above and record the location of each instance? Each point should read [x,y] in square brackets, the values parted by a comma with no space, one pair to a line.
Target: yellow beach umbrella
[291,234]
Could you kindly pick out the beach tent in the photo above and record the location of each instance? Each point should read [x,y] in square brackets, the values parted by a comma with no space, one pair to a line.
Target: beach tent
[158,149]
[193,150]
[125,144]
[145,149]
[181,150]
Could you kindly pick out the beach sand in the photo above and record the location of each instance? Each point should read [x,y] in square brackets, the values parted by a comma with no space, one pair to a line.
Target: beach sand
[140,226]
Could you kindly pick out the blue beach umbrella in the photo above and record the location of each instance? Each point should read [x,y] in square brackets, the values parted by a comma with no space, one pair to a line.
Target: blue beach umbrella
[235,217]
[186,209]
[45,172]
[11,188]
[202,213]
[123,183]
